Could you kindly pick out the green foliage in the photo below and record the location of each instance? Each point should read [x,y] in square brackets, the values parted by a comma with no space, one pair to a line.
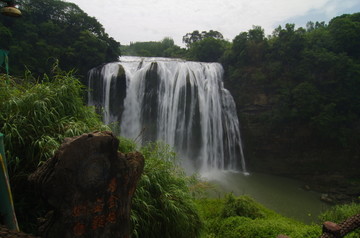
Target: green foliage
[54,29]
[205,46]
[126,145]
[162,205]
[35,118]
[200,188]
[207,50]
[310,76]
[196,36]
[340,213]
[242,206]
[242,227]
[248,48]
[345,31]
[301,103]
[164,48]
[242,217]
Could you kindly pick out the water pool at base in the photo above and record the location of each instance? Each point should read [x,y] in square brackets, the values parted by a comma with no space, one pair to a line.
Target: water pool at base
[283,195]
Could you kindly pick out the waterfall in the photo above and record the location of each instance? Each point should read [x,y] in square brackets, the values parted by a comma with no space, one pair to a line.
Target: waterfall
[181,103]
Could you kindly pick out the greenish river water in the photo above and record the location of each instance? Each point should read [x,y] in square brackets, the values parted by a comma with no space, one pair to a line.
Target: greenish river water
[283,195]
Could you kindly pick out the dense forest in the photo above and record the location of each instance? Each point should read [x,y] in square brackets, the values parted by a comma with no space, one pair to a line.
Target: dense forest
[55,30]
[297,95]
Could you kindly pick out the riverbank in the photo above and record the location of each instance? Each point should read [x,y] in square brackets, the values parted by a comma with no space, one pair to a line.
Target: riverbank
[282,195]
[293,151]
[333,187]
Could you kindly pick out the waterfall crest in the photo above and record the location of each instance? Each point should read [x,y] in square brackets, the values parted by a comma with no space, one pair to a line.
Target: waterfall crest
[181,103]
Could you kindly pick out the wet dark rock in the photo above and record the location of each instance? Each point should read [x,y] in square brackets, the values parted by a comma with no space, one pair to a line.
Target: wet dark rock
[326,198]
[89,185]
[6,233]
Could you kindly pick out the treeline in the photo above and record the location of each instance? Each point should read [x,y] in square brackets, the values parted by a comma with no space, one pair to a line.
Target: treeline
[51,30]
[310,78]
[205,46]
[163,48]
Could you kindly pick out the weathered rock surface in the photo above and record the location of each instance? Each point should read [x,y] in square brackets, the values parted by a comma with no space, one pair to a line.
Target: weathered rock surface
[6,233]
[89,185]
[333,230]
[293,149]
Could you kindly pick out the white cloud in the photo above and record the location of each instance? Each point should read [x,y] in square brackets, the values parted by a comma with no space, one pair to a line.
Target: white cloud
[152,20]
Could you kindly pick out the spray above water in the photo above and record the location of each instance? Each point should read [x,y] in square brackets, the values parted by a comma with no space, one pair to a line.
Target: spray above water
[181,103]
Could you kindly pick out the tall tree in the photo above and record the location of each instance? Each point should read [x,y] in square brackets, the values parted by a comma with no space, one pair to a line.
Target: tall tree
[53,29]
[196,36]
[345,31]
[207,50]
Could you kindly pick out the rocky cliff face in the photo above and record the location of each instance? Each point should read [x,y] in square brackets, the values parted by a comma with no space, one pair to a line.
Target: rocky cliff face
[89,185]
[293,149]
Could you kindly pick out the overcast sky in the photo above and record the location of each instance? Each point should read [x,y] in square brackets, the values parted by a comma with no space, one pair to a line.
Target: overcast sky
[152,20]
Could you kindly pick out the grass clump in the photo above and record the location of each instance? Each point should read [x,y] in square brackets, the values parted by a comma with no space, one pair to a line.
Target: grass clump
[162,205]
[340,213]
[36,115]
[126,145]
[242,217]
[243,206]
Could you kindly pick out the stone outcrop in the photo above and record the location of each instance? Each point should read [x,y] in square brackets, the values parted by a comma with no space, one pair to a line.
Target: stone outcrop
[333,230]
[291,148]
[6,233]
[89,185]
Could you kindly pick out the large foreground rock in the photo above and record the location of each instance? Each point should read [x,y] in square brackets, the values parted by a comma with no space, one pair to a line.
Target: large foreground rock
[90,185]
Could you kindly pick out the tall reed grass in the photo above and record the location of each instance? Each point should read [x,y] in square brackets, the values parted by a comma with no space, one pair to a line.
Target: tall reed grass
[36,115]
[162,205]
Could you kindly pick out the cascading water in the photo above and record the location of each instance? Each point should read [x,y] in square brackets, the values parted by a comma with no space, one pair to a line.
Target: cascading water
[181,103]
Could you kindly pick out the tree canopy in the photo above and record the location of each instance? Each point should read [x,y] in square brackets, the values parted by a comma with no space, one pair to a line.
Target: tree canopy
[207,50]
[55,30]
[312,75]
[196,36]
[164,48]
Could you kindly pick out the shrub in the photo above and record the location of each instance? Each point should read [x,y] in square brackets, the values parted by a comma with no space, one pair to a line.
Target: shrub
[241,206]
[243,227]
[242,217]
[162,204]
[35,118]
[340,213]
[126,145]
